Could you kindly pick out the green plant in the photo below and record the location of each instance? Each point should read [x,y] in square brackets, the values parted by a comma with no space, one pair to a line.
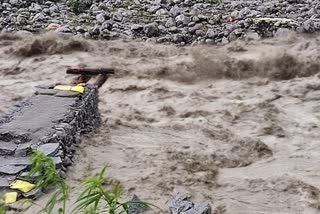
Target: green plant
[96,199]
[2,208]
[44,169]
[79,6]
[93,199]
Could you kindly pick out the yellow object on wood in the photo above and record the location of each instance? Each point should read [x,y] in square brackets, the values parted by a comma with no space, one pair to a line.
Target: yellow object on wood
[23,186]
[10,197]
[77,88]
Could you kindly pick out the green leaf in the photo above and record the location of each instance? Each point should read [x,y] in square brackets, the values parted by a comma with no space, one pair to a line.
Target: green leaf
[52,201]
[47,176]
[116,190]
[87,201]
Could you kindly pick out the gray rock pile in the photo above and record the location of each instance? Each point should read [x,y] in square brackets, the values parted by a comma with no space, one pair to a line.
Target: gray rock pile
[168,21]
[51,122]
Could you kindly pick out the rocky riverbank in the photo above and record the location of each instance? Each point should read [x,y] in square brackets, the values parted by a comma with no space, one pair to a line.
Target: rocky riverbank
[164,21]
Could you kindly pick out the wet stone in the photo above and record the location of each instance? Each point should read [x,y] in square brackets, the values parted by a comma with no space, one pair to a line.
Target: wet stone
[136,208]
[25,176]
[49,149]
[67,162]
[46,91]
[7,148]
[181,204]
[62,174]
[33,194]
[58,162]
[12,170]
[67,94]
[23,149]
[4,183]
[13,165]
[14,161]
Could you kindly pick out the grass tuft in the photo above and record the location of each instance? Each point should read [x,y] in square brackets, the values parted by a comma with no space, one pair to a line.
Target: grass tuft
[95,198]
[44,168]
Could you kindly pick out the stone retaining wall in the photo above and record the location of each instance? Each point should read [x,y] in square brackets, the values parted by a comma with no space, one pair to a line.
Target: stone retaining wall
[50,121]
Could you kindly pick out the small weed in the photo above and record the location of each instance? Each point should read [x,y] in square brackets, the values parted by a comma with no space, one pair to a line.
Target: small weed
[47,176]
[95,198]
[2,208]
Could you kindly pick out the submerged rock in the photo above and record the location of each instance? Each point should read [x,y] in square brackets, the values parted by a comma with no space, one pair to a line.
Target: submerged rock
[181,204]
[136,208]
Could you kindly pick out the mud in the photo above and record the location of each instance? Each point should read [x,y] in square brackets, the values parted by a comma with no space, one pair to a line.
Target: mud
[236,126]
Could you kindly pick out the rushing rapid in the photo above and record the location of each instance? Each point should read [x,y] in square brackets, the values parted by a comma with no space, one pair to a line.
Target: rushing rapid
[234,125]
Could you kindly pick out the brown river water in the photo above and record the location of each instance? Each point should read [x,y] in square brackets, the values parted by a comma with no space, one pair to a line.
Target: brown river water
[237,126]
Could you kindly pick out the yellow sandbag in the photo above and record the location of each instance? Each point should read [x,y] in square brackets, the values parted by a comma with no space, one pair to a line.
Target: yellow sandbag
[10,197]
[63,87]
[78,88]
[23,186]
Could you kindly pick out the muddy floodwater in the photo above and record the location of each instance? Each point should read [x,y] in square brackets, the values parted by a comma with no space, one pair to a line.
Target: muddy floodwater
[237,126]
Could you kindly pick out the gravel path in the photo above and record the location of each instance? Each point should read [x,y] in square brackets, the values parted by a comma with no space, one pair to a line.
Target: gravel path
[181,22]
